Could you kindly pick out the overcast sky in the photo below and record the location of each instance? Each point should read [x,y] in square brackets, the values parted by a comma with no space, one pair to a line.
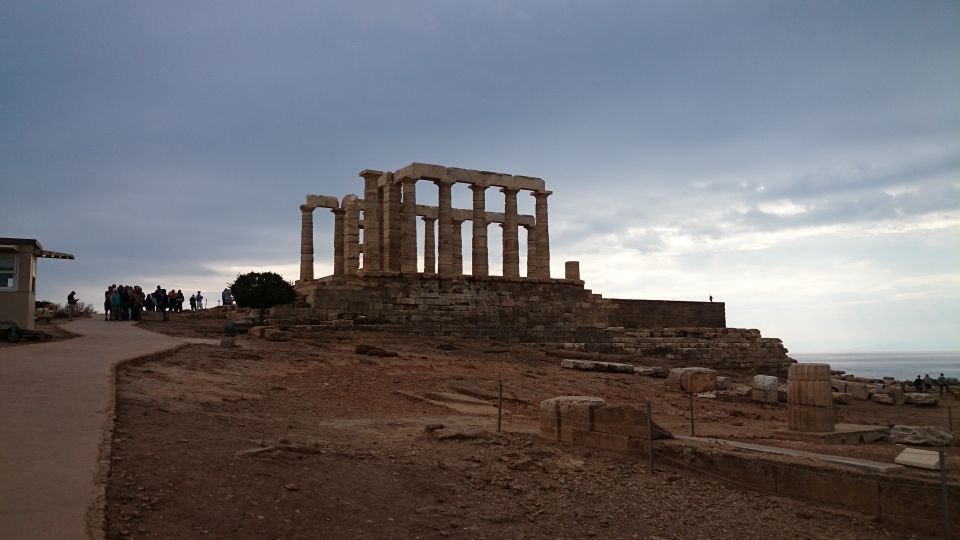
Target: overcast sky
[799,161]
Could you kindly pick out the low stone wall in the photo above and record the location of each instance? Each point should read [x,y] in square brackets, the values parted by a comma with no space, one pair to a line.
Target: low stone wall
[915,503]
[666,314]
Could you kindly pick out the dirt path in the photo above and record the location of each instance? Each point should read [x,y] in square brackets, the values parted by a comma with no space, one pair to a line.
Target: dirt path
[55,403]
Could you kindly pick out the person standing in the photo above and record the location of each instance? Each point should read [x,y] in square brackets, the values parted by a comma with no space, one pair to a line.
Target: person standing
[942,383]
[116,314]
[193,302]
[227,298]
[107,302]
[72,304]
[160,296]
[179,301]
[199,300]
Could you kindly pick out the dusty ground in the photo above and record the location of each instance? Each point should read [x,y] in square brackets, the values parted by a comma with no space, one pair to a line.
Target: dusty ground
[52,332]
[307,439]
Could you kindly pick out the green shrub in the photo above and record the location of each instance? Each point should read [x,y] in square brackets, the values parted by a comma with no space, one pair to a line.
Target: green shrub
[262,290]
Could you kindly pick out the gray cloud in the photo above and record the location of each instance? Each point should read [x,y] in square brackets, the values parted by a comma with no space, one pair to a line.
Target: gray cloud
[161,138]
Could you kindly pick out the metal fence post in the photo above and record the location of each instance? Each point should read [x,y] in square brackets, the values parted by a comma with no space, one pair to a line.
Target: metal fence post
[692,431]
[650,437]
[945,490]
[499,404]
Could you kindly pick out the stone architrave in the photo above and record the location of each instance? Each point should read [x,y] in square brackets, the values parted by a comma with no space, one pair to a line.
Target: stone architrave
[408,256]
[429,245]
[306,242]
[479,260]
[371,220]
[456,245]
[392,236]
[511,240]
[445,226]
[351,235]
[542,234]
[338,238]
[531,250]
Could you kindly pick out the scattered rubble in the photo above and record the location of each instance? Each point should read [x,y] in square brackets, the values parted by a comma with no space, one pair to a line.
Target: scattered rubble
[593,365]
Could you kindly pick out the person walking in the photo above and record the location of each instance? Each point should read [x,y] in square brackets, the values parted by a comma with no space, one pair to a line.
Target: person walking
[72,304]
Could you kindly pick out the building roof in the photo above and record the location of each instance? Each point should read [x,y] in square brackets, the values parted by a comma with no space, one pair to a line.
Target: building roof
[38,250]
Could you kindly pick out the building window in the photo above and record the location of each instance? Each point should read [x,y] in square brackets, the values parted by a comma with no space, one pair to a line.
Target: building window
[8,272]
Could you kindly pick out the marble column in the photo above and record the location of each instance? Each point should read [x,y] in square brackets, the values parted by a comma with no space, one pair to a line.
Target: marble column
[531,250]
[338,238]
[511,240]
[392,236]
[408,225]
[445,226]
[478,244]
[429,245]
[351,235]
[371,222]
[456,241]
[542,234]
[306,242]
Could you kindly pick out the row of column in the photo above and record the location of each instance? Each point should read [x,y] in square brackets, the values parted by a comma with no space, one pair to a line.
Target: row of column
[390,233]
[390,243]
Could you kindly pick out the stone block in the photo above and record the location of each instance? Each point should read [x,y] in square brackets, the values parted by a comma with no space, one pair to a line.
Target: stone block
[549,420]
[273,334]
[809,418]
[692,379]
[765,382]
[842,398]
[628,420]
[257,331]
[923,459]
[806,372]
[765,396]
[573,412]
[858,390]
[884,399]
[838,385]
[723,383]
[921,399]
[607,441]
[529,183]
[591,365]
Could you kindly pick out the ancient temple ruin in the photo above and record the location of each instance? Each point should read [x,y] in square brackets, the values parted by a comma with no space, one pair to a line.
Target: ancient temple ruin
[389,212]
[376,282]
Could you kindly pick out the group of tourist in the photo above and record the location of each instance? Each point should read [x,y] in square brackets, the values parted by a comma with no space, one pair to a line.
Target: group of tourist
[127,302]
[926,383]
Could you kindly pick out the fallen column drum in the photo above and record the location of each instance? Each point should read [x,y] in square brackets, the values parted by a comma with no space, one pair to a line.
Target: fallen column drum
[810,398]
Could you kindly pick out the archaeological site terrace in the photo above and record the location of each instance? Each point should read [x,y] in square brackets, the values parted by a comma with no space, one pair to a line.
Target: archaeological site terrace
[376,282]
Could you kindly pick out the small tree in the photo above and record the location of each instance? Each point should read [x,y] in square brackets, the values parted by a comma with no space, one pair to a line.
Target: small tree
[262,290]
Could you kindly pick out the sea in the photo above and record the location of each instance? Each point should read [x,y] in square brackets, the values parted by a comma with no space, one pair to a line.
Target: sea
[900,365]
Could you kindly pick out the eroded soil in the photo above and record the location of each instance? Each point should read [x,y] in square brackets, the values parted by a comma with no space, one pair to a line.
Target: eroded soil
[307,439]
